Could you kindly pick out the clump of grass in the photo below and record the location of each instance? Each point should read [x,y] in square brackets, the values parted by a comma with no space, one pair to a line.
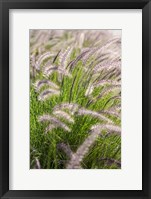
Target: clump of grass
[75,99]
[77,157]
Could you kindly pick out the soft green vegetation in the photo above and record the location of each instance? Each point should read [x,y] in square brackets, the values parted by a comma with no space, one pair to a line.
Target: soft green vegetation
[105,152]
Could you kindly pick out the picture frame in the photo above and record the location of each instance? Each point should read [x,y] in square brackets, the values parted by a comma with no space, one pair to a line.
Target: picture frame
[5,6]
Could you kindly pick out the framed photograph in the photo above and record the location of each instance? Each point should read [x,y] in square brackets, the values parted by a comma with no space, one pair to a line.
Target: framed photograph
[75,99]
